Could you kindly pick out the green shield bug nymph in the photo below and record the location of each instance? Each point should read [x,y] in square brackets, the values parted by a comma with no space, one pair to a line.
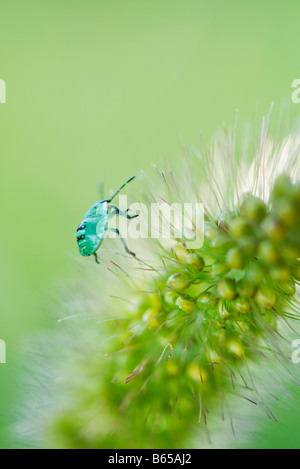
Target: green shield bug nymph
[94,225]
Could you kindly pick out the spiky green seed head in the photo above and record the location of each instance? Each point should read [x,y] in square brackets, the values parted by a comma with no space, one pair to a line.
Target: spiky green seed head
[194,321]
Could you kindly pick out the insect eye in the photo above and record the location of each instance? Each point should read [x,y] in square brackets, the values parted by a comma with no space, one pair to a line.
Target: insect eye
[81,237]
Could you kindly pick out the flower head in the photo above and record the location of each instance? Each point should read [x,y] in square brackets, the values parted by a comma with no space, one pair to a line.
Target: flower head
[178,328]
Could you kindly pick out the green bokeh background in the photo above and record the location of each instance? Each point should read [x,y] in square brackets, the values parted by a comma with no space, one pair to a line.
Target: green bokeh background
[99,90]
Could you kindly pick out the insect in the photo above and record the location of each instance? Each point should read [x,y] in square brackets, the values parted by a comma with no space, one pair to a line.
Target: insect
[94,225]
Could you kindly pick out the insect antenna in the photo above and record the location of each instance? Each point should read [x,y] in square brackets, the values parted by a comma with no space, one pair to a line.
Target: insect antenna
[119,190]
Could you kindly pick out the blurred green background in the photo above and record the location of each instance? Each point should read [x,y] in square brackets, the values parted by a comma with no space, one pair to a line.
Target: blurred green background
[99,90]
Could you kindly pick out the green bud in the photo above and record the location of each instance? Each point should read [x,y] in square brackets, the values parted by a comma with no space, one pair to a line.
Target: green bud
[255,274]
[241,201]
[219,269]
[274,229]
[239,228]
[280,274]
[235,258]
[282,187]
[170,297]
[226,288]
[180,252]
[224,311]
[248,245]
[252,208]
[265,296]
[242,305]
[268,252]
[235,348]
[177,282]
[221,243]
[287,212]
[245,288]
[186,305]
[205,298]
[195,261]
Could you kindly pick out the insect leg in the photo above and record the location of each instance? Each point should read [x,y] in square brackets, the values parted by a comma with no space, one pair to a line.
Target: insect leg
[117,211]
[96,258]
[115,230]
